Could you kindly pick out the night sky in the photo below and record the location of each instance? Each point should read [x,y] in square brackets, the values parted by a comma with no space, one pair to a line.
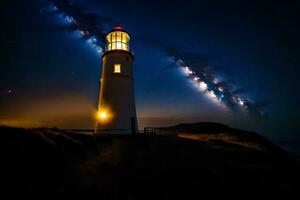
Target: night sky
[50,77]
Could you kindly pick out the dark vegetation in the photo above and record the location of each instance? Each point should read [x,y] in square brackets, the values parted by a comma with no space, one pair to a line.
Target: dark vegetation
[205,161]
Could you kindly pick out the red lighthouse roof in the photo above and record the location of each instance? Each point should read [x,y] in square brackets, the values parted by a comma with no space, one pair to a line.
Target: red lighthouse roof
[118,27]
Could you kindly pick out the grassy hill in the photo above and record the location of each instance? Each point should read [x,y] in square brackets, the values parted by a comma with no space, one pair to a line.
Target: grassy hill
[205,160]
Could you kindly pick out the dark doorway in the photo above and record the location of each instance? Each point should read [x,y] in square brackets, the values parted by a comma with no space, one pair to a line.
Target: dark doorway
[133,129]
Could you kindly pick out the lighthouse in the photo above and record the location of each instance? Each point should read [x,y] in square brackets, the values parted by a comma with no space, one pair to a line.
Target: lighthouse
[116,108]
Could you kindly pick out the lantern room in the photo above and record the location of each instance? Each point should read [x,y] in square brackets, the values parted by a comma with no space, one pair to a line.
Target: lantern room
[117,39]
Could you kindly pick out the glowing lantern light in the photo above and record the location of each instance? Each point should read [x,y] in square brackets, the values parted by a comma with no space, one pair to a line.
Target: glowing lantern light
[118,39]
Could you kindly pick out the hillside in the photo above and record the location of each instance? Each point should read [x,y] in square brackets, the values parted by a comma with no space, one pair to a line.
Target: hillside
[205,160]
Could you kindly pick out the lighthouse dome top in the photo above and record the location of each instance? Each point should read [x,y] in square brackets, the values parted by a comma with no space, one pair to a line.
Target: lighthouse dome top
[118,27]
[117,39]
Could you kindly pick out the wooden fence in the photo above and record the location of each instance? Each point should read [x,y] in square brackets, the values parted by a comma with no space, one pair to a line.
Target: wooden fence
[160,131]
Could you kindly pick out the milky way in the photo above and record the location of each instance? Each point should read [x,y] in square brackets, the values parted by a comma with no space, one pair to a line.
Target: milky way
[89,26]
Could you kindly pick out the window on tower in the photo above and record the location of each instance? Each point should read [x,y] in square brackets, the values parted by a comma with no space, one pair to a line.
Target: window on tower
[117,68]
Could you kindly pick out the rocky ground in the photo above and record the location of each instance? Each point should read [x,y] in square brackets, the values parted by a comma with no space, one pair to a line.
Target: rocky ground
[204,161]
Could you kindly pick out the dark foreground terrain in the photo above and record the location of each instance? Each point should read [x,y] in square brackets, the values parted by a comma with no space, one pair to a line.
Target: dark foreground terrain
[205,161]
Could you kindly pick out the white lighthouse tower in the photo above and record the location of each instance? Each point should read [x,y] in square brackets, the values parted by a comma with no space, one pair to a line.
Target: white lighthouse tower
[116,108]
